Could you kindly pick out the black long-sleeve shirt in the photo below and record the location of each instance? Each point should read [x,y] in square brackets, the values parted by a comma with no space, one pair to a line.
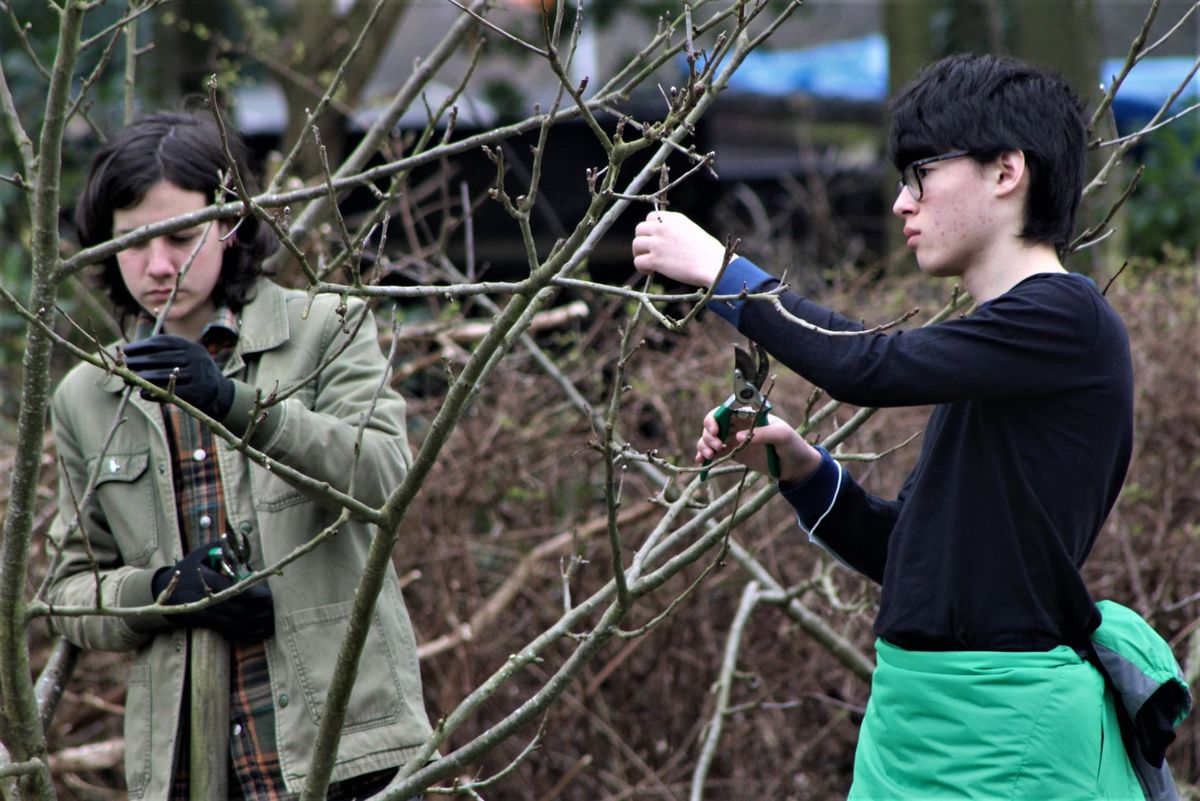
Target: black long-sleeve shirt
[1022,459]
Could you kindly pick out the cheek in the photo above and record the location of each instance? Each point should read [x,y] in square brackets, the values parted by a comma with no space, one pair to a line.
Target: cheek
[206,270]
[129,266]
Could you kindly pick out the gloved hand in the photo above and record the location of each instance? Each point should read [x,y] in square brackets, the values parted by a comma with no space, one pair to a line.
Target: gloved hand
[198,380]
[245,618]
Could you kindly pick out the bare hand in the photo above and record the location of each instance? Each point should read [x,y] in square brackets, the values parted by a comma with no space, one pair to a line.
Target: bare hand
[670,244]
[797,459]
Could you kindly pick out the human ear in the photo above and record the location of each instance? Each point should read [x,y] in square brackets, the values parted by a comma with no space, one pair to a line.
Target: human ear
[1010,172]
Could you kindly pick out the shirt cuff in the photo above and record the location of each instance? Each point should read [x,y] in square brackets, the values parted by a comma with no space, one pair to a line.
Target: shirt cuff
[137,590]
[740,274]
[813,498]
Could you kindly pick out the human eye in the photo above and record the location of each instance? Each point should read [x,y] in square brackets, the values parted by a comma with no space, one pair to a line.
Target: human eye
[182,237]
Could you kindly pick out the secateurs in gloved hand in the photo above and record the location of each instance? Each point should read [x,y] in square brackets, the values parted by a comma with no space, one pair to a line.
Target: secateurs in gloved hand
[212,567]
[747,407]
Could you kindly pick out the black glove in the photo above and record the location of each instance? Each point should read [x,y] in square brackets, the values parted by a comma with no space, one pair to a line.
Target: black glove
[248,617]
[198,380]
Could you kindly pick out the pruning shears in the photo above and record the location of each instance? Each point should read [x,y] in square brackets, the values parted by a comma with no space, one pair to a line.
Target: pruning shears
[230,557]
[747,402]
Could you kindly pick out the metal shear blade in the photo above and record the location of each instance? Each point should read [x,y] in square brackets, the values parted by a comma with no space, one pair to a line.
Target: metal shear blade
[749,374]
[747,402]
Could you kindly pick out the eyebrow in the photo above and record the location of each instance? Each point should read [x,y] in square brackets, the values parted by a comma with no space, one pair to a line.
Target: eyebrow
[126,229]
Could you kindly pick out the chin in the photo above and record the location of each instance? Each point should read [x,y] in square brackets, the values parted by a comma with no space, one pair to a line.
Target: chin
[939,269]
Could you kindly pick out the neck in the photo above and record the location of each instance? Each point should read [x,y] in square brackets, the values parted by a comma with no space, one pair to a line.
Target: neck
[1008,265]
[191,327]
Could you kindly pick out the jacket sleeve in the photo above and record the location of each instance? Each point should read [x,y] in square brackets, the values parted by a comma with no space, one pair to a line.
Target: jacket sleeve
[74,578]
[319,437]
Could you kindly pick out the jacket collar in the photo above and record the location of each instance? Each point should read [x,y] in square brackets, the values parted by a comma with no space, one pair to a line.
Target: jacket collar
[264,318]
[264,326]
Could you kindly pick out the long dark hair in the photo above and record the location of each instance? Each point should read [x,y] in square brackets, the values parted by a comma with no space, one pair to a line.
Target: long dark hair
[184,149]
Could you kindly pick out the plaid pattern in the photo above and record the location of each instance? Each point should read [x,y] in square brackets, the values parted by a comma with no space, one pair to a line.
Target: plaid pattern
[254,770]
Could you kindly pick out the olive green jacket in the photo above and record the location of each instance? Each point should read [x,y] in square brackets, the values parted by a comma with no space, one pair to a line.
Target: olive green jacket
[132,528]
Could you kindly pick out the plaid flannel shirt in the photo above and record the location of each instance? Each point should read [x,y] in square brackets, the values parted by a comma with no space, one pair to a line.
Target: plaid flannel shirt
[254,770]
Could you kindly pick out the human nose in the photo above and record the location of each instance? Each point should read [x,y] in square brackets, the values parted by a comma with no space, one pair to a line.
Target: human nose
[160,259]
[905,203]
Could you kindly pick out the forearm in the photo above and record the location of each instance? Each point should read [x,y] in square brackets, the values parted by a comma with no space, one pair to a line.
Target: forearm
[841,517]
[74,585]
[328,449]
[347,427]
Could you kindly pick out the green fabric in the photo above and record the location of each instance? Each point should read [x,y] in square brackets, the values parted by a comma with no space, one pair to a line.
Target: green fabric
[990,725]
[1150,663]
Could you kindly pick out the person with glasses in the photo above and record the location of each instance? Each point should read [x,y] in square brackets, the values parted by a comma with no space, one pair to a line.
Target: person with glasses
[991,653]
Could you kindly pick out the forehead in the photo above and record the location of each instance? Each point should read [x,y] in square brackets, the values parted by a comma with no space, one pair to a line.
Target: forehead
[162,201]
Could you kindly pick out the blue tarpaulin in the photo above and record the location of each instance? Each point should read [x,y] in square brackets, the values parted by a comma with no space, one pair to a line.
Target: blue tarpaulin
[857,70]
[851,69]
[1148,86]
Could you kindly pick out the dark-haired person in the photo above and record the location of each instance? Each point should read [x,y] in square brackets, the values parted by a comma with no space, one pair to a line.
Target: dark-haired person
[986,683]
[167,490]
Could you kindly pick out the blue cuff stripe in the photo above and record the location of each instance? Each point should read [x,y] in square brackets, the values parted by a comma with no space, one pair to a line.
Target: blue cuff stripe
[740,274]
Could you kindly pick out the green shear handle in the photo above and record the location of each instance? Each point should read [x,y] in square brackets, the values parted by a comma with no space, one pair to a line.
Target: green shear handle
[229,559]
[724,416]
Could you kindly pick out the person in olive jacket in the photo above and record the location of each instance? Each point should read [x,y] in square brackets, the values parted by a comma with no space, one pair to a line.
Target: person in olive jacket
[178,512]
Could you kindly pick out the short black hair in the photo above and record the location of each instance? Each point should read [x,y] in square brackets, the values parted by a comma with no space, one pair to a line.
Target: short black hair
[185,149]
[991,104]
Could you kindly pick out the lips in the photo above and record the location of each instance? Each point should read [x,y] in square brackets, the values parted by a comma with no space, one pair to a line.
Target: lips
[910,235]
[158,296]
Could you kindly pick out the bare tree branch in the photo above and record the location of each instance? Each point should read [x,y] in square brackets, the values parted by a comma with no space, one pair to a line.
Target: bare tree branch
[733,642]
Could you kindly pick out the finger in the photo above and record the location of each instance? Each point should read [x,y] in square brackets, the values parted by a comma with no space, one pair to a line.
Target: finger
[161,377]
[646,227]
[156,344]
[710,446]
[644,264]
[140,366]
[150,358]
[760,436]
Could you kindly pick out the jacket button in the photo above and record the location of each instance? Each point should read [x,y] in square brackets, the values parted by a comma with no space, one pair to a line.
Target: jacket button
[245,527]
[283,700]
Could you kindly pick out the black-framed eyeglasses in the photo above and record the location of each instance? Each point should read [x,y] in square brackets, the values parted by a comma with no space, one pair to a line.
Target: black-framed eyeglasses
[910,176]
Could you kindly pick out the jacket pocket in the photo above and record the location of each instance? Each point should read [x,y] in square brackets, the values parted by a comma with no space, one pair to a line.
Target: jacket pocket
[139,714]
[313,638]
[125,493]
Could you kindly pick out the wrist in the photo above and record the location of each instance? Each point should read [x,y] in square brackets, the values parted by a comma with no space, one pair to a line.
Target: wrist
[224,399]
[137,590]
[801,466]
[242,410]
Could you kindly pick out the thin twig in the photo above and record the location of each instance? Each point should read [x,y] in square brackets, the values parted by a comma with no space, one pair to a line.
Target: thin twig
[487,23]
[733,643]
[805,324]
[1151,128]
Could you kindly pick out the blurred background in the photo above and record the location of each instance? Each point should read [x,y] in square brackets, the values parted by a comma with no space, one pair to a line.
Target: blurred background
[802,177]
